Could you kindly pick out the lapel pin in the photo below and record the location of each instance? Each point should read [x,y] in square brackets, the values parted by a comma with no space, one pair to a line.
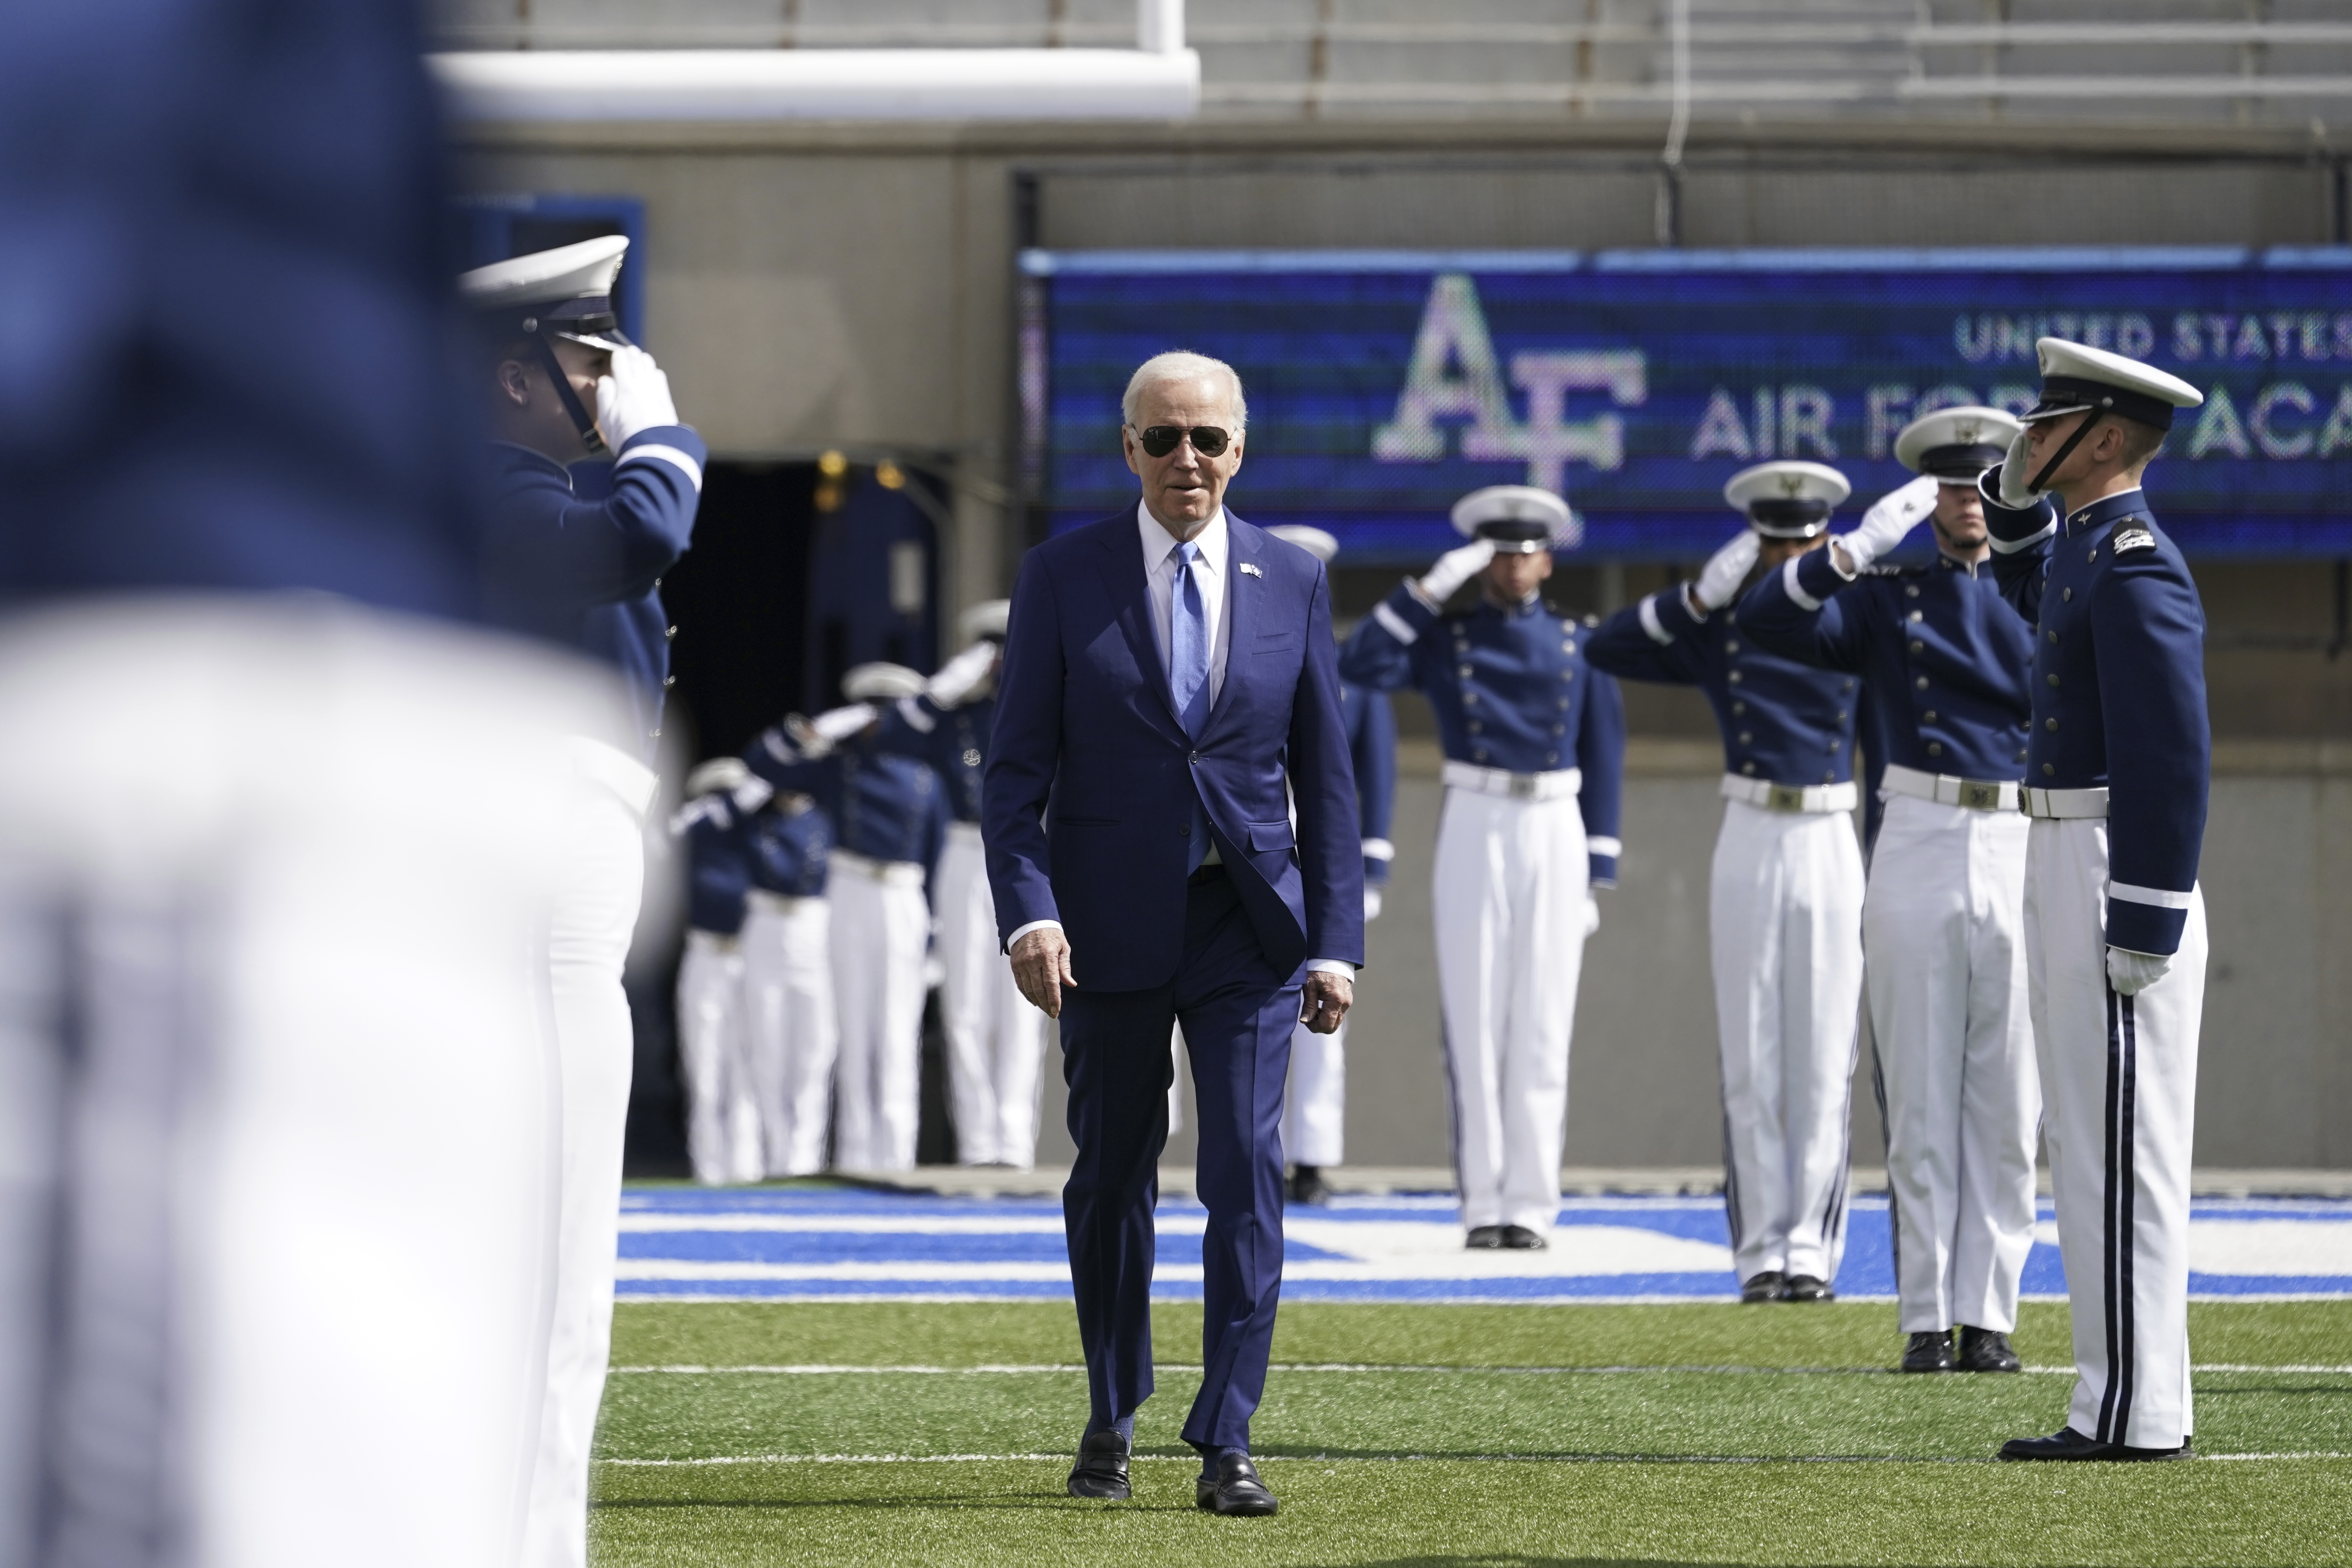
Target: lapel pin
[1250,567]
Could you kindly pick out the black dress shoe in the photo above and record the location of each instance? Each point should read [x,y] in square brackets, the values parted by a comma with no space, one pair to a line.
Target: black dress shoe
[2067,1444]
[1805,1288]
[1484,1237]
[1770,1285]
[1237,1492]
[1101,1469]
[1985,1350]
[1307,1186]
[1929,1353]
[1520,1239]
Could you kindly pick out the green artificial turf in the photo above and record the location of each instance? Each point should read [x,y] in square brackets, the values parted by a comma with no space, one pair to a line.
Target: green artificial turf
[1815,1453]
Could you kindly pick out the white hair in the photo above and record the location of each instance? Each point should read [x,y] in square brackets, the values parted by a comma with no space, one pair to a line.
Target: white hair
[1181,364]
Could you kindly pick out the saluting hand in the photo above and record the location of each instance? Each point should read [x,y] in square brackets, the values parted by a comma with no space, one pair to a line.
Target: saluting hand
[1041,967]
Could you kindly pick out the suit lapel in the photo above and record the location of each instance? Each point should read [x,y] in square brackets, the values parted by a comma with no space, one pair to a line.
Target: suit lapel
[1122,572]
[1245,600]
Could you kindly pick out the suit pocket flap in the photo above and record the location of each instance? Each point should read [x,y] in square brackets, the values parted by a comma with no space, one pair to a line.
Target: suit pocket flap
[1271,835]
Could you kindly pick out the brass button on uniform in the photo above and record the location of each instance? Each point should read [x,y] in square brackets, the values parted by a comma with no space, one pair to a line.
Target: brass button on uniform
[2051,724]
[1935,748]
[1928,716]
[1918,615]
[2053,635]
[1731,647]
[1739,708]
[1911,590]
[2053,680]
[1748,767]
[1747,736]
[1921,683]
[2048,771]
[1918,647]
[2067,595]
[1733,678]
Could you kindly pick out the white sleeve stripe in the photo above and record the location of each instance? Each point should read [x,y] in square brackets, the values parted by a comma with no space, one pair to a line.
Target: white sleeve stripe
[920,722]
[2011,546]
[1612,848]
[1396,625]
[1658,634]
[670,455]
[1379,850]
[2159,897]
[1794,589]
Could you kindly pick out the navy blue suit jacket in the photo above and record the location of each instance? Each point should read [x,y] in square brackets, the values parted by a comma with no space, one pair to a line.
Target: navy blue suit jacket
[1088,799]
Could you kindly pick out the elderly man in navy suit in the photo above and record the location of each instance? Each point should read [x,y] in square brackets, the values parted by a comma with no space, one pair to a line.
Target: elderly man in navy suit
[1169,694]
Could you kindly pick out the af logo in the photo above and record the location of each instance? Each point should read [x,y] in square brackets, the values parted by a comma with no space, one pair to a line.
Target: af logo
[1967,432]
[1791,484]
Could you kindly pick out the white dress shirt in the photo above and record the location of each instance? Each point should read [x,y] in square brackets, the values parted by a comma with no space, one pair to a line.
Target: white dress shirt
[1210,572]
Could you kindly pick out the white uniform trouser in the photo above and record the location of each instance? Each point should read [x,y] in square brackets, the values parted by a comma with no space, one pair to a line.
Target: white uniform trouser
[588,945]
[881,926]
[1314,1109]
[1943,929]
[2119,1095]
[788,1003]
[722,1114]
[1785,914]
[996,1039]
[1509,890]
[276,1213]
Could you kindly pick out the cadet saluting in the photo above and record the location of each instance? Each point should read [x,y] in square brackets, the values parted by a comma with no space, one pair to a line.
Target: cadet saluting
[1943,662]
[2117,776]
[1785,898]
[1534,751]
[723,1111]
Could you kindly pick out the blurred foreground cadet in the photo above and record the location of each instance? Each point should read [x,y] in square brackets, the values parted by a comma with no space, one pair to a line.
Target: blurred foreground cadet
[1943,664]
[722,1108]
[275,1130]
[1314,1112]
[586,574]
[2116,777]
[1535,744]
[1171,696]
[1784,901]
[888,818]
[994,1038]
[788,977]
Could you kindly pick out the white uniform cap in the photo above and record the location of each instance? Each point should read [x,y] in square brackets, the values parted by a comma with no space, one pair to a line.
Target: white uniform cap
[569,288]
[880,683]
[2075,376]
[985,619]
[719,774]
[1314,541]
[1955,445]
[1788,499]
[1521,519]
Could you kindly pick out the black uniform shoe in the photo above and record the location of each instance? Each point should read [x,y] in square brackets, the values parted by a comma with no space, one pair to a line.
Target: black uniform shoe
[1520,1239]
[1770,1285]
[1237,1492]
[2067,1444]
[1929,1353]
[1307,1186]
[1985,1350]
[1484,1237]
[1101,1469]
[1805,1288]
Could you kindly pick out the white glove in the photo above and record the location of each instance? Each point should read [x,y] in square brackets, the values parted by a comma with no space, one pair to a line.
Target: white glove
[1371,902]
[1592,914]
[840,724]
[1884,525]
[2015,470]
[2132,973]
[958,677]
[634,397]
[1719,579]
[1456,567]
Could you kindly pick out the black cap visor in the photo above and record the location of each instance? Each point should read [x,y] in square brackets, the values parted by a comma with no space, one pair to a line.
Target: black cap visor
[1960,465]
[2063,394]
[1789,519]
[1517,536]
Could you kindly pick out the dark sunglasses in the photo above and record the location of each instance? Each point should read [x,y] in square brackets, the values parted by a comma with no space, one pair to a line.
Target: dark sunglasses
[1161,439]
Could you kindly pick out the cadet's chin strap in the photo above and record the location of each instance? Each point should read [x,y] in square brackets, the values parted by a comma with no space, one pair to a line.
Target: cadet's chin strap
[581,418]
[2042,480]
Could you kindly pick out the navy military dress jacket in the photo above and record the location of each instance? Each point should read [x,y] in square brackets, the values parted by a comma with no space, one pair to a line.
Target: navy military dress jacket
[791,848]
[1370,720]
[882,806]
[584,570]
[2118,692]
[1943,659]
[717,860]
[1783,722]
[1512,690]
[952,741]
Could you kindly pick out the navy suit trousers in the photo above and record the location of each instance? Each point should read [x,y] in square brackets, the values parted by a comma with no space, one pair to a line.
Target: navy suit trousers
[1238,1012]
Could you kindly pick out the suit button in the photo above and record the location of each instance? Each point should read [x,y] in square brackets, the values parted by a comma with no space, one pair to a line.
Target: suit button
[2048,771]
[1184,830]
[1935,748]
[1192,757]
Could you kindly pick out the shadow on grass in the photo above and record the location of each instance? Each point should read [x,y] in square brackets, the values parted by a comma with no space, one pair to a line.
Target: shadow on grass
[960,1502]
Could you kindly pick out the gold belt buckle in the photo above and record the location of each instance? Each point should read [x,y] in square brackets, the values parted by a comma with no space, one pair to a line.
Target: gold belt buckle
[1786,797]
[1980,796]
[1523,786]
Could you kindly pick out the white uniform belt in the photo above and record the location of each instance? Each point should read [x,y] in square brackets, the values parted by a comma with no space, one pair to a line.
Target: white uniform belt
[713,940]
[1518,786]
[2066,803]
[778,903]
[1789,797]
[1977,795]
[615,769]
[964,833]
[889,873]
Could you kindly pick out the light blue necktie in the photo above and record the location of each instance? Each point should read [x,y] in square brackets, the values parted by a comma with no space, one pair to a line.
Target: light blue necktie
[1188,677]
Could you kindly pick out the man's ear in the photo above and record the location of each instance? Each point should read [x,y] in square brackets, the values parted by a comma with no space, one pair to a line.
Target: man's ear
[514,383]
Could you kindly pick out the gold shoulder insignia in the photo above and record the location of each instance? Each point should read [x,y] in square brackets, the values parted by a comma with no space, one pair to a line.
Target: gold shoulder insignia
[2134,539]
